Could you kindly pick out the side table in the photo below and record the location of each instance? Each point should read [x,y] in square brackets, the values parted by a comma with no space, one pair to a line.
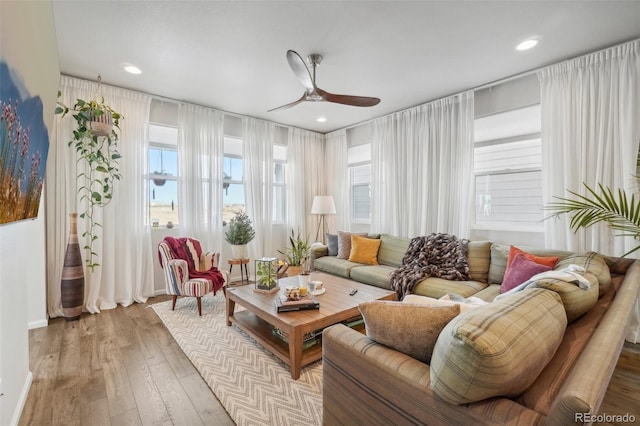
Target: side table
[243,268]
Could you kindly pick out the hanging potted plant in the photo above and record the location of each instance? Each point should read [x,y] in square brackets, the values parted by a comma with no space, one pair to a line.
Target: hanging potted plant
[95,141]
[239,234]
[158,179]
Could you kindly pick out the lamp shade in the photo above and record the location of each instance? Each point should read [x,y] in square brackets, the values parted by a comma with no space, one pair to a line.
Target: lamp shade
[323,204]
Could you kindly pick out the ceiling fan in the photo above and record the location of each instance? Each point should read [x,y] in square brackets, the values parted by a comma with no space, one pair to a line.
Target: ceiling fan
[312,92]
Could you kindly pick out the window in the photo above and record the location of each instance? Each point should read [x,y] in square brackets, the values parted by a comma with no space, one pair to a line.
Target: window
[233,184]
[359,163]
[279,187]
[163,175]
[508,169]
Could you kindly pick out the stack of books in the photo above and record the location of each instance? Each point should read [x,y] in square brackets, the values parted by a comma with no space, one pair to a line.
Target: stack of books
[309,339]
[283,304]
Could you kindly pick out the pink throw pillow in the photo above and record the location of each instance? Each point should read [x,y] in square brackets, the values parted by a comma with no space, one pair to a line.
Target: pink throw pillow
[519,271]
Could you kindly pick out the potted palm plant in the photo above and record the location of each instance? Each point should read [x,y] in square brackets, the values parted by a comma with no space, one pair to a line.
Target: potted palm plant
[298,254]
[239,234]
[619,210]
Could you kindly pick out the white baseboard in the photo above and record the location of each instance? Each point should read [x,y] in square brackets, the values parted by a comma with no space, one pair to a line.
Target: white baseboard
[38,324]
[159,292]
[23,400]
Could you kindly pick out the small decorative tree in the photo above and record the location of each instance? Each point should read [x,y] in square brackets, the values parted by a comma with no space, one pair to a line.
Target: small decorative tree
[239,234]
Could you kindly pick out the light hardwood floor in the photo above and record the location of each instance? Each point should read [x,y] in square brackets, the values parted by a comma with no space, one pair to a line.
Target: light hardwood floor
[122,367]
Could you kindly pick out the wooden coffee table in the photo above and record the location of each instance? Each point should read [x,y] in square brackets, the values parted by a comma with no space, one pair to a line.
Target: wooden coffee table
[261,316]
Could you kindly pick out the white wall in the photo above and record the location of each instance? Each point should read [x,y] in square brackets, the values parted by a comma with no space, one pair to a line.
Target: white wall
[27,44]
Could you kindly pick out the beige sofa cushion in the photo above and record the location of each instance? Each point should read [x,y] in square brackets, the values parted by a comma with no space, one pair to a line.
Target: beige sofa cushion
[438,287]
[593,263]
[335,266]
[498,349]
[576,301]
[409,328]
[392,250]
[428,301]
[479,259]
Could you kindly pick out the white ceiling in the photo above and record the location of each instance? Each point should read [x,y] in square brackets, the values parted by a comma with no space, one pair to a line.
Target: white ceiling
[230,55]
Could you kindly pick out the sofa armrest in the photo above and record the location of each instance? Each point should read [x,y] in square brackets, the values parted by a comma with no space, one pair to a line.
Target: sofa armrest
[319,250]
[586,384]
[368,383]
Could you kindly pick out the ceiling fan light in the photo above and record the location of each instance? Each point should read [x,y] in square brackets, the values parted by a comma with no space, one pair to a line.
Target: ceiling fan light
[527,44]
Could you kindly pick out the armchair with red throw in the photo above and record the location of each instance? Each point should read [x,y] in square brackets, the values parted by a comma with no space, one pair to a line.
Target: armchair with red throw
[188,271]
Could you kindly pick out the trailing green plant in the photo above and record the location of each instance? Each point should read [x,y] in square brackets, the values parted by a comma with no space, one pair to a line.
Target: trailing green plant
[99,157]
[299,251]
[266,275]
[240,230]
[616,208]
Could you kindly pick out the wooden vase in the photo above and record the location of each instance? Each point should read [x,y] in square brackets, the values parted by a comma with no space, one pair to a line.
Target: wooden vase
[72,282]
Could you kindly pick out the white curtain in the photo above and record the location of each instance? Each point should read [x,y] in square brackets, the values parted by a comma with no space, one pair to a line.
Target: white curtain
[422,169]
[337,179]
[590,134]
[123,247]
[200,161]
[258,173]
[305,154]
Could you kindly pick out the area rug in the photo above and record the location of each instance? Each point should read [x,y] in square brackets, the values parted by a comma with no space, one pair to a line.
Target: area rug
[253,385]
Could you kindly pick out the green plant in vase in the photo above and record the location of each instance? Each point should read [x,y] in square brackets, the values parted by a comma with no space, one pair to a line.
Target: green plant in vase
[298,254]
[95,141]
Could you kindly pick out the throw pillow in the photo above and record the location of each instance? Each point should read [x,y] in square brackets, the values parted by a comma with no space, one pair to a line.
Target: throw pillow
[410,328]
[519,271]
[332,244]
[594,263]
[547,261]
[344,244]
[364,250]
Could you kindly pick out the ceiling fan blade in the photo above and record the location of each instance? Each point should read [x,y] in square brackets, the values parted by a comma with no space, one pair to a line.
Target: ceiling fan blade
[289,105]
[361,101]
[300,69]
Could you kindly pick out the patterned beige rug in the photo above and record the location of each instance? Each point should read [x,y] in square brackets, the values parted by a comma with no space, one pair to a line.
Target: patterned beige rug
[253,385]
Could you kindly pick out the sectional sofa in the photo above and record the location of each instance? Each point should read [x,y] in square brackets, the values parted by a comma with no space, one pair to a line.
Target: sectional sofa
[541,356]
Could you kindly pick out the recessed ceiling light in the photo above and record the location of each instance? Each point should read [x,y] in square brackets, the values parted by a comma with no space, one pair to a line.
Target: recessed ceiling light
[132,69]
[527,44]
[321,119]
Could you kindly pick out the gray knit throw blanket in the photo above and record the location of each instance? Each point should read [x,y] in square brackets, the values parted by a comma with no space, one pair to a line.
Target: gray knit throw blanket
[436,255]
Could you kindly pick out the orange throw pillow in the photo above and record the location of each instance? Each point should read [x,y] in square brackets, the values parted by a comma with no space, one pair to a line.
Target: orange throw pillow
[364,250]
[546,261]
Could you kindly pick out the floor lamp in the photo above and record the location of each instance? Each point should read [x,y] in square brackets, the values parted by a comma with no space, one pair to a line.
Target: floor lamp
[323,205]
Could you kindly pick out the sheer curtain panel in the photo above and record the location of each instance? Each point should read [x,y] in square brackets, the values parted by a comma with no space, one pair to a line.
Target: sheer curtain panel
[125,274]
[258,182]
[422,169]
[337,179]
[200,162]
[305,154]
[590,134]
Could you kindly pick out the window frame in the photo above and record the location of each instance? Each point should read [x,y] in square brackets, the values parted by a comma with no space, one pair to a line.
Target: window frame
[150,176]
[508,226]
[352,185]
